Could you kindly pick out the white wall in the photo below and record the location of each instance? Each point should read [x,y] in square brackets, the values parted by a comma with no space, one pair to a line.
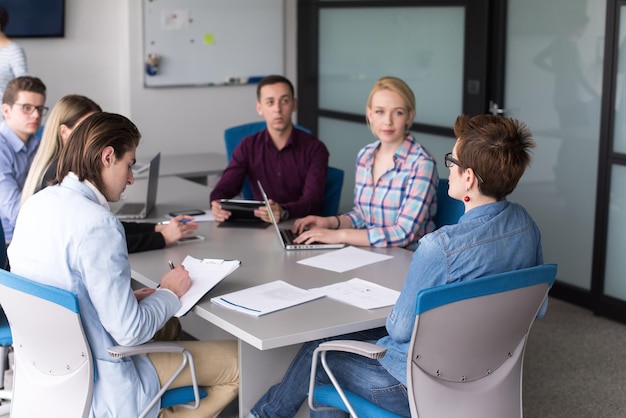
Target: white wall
[101,56]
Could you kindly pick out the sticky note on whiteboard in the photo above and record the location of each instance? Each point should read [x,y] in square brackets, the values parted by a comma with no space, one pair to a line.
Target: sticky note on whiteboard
[209,39]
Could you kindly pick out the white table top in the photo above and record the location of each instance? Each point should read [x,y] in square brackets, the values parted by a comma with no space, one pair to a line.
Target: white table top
[263,260]
[189,165]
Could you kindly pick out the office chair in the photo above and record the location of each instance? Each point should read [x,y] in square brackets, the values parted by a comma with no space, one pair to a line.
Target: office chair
[6,339]
[234,135]
[449,210]
[466,353]
[332,191]
[54,368]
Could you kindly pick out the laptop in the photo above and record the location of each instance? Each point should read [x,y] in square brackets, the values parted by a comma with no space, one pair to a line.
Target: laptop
[287,236]
[132,210]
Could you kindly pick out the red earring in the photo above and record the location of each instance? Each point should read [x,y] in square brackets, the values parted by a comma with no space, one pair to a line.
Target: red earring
[466,198]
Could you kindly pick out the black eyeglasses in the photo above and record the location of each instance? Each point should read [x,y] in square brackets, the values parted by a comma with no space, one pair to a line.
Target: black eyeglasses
[29,108]
[449,160]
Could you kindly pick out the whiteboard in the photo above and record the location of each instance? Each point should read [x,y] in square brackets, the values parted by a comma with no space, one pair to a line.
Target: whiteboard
[212,42]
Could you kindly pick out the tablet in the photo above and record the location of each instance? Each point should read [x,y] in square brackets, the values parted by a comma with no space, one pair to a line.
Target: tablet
[242,210]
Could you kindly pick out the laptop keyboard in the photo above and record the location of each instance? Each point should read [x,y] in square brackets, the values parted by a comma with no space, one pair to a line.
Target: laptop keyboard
[288,235]
[131,209]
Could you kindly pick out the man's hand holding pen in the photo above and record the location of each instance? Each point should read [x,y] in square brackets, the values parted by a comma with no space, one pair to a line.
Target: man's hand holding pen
[176,279]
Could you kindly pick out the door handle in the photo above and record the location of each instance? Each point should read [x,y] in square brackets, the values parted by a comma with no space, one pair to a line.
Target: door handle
[494,109]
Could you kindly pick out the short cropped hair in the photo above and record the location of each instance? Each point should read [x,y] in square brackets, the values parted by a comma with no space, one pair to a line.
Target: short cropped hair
[23,83]
[82,153]
[496,148]
[273,79]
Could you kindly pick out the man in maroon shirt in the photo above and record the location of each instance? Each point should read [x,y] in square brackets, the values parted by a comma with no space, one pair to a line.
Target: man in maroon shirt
[290,164]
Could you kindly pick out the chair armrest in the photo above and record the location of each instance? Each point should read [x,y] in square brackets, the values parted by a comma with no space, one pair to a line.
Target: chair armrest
[120,351]
[361,348]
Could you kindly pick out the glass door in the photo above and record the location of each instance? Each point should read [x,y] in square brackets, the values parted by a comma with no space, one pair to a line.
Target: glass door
[439,48]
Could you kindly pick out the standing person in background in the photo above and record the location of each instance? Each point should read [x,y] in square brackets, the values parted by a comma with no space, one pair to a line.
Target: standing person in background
[395,183]
[290,164]
[23,109]
[65,116]
[12,57]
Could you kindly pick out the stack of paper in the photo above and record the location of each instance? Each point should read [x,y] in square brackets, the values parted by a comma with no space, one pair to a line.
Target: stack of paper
[205,274]
[269,297]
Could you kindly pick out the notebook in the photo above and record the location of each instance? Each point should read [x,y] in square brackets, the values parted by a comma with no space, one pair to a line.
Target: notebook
[287,236]
[132,210]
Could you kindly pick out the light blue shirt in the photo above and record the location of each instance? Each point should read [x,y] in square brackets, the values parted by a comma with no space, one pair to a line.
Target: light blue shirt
[488,239]
[15,159]
[64,237]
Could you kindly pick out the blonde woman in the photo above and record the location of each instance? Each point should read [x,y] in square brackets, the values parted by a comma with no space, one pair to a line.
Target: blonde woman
[395,182]
[64,117]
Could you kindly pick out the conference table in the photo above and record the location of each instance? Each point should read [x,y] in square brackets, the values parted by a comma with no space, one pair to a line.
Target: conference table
[266,343]
[189,166]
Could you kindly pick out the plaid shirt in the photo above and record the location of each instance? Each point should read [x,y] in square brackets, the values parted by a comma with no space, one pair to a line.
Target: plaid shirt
[399,209]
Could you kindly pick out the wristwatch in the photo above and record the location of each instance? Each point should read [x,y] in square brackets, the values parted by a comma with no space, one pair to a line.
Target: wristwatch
[284,215]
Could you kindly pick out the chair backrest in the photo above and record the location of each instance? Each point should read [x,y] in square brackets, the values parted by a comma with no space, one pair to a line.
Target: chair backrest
[54,367]
[3,251]
[468,344]
[449,210]
[332,192]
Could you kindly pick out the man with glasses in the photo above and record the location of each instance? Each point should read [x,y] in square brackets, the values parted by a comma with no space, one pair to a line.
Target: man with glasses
[23,109]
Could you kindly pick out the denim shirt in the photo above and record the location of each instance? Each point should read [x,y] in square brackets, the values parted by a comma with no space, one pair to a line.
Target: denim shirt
[65,236]
[15,160]
[488,239]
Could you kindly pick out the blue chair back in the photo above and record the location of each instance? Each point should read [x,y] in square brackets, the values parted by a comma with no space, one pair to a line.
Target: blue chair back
[234,135]
[449,210]
[332,192]
[466,352]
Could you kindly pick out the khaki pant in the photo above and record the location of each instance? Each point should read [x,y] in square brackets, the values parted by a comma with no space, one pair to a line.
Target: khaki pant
[217,370]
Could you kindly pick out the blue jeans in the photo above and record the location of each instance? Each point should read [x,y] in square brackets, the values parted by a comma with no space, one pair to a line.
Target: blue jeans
[367,378]
[285,398]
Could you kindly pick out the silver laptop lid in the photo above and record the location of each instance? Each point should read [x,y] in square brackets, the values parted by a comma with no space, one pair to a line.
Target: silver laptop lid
[140,210]
[153,183]
[293,246]
[271,214]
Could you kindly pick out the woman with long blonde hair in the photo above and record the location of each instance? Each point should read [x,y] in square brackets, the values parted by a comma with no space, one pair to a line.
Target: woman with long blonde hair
[69,111]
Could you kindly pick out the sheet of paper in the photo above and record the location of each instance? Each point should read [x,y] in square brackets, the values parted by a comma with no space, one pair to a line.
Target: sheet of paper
[360,293]
[265,298]
[347,258]
[205,274]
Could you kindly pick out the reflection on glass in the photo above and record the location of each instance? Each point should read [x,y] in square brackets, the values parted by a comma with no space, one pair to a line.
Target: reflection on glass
[619,132]
[421,45]
[614,284]
[553,79]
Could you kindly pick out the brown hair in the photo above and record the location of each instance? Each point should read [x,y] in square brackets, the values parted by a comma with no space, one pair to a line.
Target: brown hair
[81,155]
[4,19]
[496,148]
[23,83]
[273,79]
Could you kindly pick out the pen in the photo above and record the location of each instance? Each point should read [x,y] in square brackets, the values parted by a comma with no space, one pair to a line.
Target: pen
[171,264]
[182,221]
